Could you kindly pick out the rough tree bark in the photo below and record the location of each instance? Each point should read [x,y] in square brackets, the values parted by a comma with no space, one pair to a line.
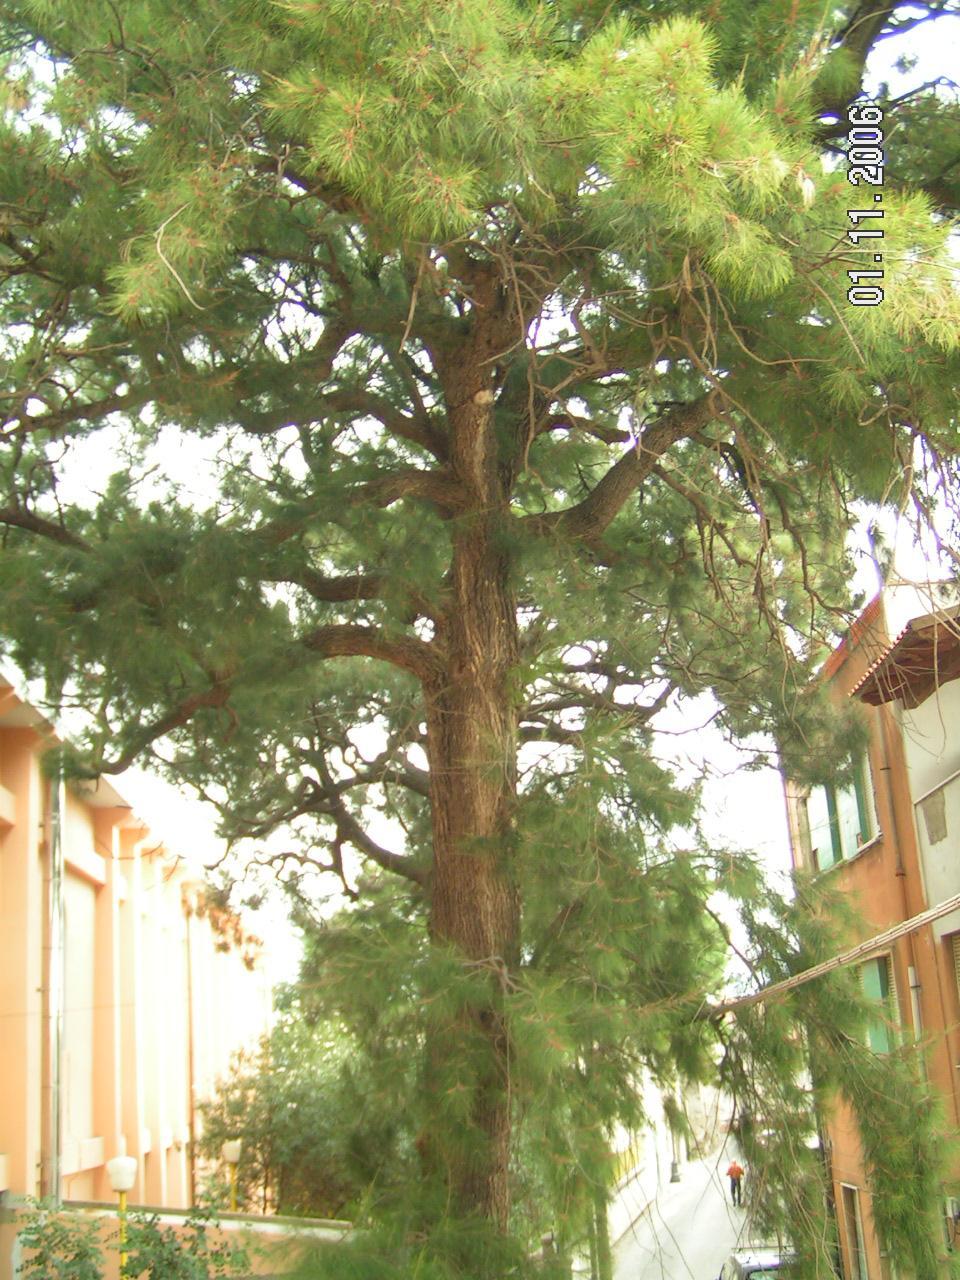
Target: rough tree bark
[471,742]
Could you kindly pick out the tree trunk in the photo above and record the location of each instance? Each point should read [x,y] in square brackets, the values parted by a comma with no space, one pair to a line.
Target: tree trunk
[475,901]
[604,1264]
[471,742]
[592,1241]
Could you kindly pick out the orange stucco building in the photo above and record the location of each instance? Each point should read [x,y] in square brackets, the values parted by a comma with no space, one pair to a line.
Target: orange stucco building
[123,994]
[891,838]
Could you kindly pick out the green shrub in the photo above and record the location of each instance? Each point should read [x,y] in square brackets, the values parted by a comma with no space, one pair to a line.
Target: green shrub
[59,1245]
[159,1252]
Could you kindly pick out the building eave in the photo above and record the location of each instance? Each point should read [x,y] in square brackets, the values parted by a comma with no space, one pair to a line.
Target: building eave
[924,656]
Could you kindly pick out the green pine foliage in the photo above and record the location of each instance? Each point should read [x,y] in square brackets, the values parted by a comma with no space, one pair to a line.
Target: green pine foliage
[903,1135]
[406,405]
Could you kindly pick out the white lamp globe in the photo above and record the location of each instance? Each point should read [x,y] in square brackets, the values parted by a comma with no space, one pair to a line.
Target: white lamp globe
[122,1172]
[231,1150]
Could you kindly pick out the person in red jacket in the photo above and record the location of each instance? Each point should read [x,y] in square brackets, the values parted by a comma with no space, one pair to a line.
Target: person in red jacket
[735,1174]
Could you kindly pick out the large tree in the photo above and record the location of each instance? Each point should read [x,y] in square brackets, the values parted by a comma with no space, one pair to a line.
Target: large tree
[517,341]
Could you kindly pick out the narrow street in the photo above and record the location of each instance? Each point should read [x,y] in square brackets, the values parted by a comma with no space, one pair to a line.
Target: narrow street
[687,1232]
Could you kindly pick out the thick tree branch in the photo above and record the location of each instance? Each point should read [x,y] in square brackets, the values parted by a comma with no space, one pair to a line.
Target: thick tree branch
[413,779]
[355,403]
[349,829]
[436,487]
[550,733]
[84,411]
[864,26]
[574,422]
[217,695]
[400,864]
[386,769]
[332,590]
[351,587]
[17,518]
[346,641]
[588,519]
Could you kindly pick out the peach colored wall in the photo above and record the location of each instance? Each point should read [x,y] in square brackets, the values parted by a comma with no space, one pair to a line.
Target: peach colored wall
[887,881]
[21,968]
[129,1018]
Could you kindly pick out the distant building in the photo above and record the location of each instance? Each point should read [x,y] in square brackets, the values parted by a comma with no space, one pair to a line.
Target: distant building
[123,993]
[891,838]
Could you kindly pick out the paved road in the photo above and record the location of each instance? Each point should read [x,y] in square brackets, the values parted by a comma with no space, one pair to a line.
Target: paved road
[688,1231]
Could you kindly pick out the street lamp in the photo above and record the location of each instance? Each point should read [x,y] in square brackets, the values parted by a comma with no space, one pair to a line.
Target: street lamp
[122,1172]
[231,1154]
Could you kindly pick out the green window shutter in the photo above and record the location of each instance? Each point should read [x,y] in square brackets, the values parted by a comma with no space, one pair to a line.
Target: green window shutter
[876,978]
[872,979]
[860,787]
[835,840]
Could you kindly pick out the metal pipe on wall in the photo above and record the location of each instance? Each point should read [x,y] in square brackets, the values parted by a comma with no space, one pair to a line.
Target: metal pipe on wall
[56,998]
[191,1067]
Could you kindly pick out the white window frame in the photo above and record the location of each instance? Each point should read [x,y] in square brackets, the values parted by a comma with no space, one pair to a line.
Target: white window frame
[861,1259]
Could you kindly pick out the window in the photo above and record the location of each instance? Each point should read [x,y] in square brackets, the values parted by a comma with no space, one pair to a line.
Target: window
[853,1230]
[839,820]
[876,978]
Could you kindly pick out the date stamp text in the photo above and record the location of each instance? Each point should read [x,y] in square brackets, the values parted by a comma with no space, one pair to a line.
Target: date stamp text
[865,170]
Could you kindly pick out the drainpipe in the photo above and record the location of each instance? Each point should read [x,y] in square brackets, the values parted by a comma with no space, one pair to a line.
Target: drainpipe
[915,1000]
[191,1068]
[901,873]
[887,770]
[51,1180]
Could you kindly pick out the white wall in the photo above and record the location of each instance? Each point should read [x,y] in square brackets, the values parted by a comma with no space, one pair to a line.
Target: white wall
[938,834]
[931,736]
[932,739]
